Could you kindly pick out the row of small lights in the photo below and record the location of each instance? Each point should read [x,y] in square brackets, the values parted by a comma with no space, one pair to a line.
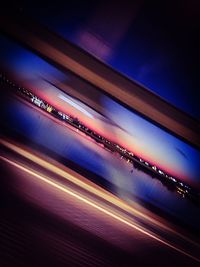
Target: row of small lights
[123,150]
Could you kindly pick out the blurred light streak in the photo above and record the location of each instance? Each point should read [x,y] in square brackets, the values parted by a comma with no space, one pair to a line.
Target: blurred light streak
[96,190]
[90,187]
[102,193]
[103,77]
[70,102]
[157,147]
[96,206]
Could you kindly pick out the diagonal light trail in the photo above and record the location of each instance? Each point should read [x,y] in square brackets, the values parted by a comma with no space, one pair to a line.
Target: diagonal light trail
[96,206]
[92,188]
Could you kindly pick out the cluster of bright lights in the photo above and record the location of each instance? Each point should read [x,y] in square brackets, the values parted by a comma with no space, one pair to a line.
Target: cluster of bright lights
[129,156]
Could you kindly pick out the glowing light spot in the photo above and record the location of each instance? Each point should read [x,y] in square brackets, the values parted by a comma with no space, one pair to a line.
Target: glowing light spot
[73,104]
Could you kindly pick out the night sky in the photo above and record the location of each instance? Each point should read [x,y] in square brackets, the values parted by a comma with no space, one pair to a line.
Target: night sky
[152,42]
